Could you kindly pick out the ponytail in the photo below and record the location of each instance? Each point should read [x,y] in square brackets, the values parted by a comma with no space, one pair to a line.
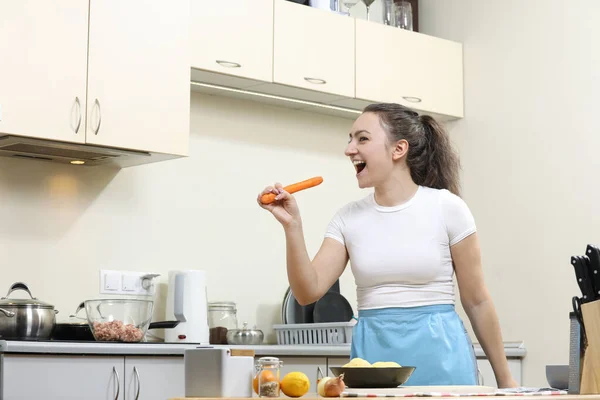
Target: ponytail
[431,159]
[441,162]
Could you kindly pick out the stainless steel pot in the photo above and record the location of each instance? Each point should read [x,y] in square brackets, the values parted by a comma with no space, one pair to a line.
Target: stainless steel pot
[245,336]
[25,319]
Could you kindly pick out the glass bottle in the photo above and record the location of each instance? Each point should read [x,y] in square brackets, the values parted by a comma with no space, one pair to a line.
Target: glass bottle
[268,371]
[222,316]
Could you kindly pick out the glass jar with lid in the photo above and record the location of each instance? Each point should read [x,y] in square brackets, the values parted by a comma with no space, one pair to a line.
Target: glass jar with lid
[222,316]
[268,373]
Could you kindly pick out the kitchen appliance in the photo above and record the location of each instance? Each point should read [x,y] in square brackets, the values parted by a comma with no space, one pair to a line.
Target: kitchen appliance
[25,319]
[187,302]
[211,372]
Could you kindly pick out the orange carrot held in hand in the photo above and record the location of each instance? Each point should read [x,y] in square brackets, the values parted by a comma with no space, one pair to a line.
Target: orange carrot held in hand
[312,182]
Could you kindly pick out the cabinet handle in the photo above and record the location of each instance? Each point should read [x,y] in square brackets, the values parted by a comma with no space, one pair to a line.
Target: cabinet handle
[79,114]
[116,374]
[315,81]
[228,64]
[97,103]
[412,99]
[139,383]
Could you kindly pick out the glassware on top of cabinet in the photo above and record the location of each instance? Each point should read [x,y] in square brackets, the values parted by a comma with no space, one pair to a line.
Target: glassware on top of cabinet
[389,12]
[368,4]
[222,317]
[348,4]
[268,370]
[404,16]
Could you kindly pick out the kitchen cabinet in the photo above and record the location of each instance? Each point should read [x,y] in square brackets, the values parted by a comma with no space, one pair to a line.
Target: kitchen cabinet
[138,75]
[43,69]
[233,38]
[154,378]
[92,377]
[309,58]
[101,73]
[54,377]
[416,70]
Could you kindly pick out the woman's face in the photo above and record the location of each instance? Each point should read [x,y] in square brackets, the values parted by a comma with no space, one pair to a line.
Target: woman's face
[370,151]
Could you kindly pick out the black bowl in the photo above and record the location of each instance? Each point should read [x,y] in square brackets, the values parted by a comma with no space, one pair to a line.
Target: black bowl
[372,377]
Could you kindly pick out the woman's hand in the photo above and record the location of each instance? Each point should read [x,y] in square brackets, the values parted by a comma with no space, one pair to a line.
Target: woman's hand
[284,208]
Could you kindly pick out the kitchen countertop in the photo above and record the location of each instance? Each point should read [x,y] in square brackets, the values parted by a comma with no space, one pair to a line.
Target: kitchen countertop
[512,349]
[503,397]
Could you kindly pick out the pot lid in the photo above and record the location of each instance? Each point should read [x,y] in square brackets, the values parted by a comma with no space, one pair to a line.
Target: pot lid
[23,303]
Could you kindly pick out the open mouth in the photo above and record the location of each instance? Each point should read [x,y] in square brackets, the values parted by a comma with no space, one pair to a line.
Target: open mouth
[359,166]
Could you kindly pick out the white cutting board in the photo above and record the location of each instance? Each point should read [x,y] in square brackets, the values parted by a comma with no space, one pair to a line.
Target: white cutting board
[459,389]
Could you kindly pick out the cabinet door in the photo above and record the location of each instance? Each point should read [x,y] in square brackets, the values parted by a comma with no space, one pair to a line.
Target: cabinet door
[43,47]
[154,378]
[416,70]
[306,365]
[313,49]
[62,377]
[233,37]
[139,75]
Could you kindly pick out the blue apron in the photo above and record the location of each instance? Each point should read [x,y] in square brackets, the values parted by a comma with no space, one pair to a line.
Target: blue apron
[431,338]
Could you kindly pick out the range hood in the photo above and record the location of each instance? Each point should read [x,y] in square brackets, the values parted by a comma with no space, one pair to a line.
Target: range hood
[73,153]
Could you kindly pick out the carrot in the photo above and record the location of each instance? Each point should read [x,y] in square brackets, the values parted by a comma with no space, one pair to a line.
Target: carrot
[293,188]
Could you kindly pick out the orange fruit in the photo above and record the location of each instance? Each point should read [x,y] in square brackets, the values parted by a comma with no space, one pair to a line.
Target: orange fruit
[266,376]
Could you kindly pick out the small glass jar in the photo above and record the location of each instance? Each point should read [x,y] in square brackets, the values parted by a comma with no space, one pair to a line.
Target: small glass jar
[222,317]
[268,372]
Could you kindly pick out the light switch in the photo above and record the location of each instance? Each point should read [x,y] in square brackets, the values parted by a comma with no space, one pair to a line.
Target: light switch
[130,282]
[112,281]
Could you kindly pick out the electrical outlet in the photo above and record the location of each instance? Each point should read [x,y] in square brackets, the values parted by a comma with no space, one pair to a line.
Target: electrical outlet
[127,282]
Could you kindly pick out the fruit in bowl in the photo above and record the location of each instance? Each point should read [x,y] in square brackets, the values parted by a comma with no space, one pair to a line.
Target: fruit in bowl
[119,320]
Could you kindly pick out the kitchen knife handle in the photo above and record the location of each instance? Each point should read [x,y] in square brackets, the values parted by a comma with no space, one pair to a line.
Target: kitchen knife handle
[583,280]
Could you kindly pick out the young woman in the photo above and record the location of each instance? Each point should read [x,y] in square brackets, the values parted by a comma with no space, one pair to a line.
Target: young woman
[405,242]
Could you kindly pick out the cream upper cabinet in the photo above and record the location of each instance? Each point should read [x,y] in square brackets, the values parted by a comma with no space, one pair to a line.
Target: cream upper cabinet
[139,75]
[233,37]
[313,49]
[43,55]
[416,70]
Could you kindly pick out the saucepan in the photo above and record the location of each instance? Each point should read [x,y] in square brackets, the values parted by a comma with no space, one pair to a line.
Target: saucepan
[369,377]
[25,319]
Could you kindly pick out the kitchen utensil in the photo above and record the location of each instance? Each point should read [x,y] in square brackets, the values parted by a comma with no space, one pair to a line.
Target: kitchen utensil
[293,313]
[590,371]
[593,254]
[370,377]
[403,15]
[76,329]
[576,303]
[557,376]
[424,391]
[368,5]
[187,303]
[245,336]
[332,307]
[583,280]
[575,352]
[119,320]
[25,319]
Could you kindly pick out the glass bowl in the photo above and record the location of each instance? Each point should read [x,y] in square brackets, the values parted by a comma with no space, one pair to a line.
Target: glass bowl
[119,320]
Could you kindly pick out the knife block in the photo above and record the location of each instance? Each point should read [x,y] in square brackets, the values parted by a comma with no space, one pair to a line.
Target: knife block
[590,371]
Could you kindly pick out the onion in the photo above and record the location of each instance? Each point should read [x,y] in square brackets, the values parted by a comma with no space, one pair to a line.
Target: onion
[331,387]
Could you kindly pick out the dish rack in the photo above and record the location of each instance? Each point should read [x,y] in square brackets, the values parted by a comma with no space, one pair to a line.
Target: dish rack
[316,333]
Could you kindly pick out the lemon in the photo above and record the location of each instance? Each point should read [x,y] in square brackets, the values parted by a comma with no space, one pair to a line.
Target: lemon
[295,384]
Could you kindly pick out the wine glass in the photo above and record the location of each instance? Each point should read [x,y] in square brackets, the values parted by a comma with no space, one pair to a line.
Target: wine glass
[349,4]
[368,4]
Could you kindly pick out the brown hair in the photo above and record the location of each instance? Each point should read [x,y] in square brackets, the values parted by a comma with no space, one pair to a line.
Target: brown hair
[431,158]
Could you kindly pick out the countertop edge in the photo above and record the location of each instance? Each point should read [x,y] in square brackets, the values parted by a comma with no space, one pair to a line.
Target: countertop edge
[178,349]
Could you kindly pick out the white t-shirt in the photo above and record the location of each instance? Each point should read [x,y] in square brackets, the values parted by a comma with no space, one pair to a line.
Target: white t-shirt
[400,256]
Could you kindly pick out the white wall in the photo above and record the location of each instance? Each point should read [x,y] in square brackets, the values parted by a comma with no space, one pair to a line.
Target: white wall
[529,146]
[62,224]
